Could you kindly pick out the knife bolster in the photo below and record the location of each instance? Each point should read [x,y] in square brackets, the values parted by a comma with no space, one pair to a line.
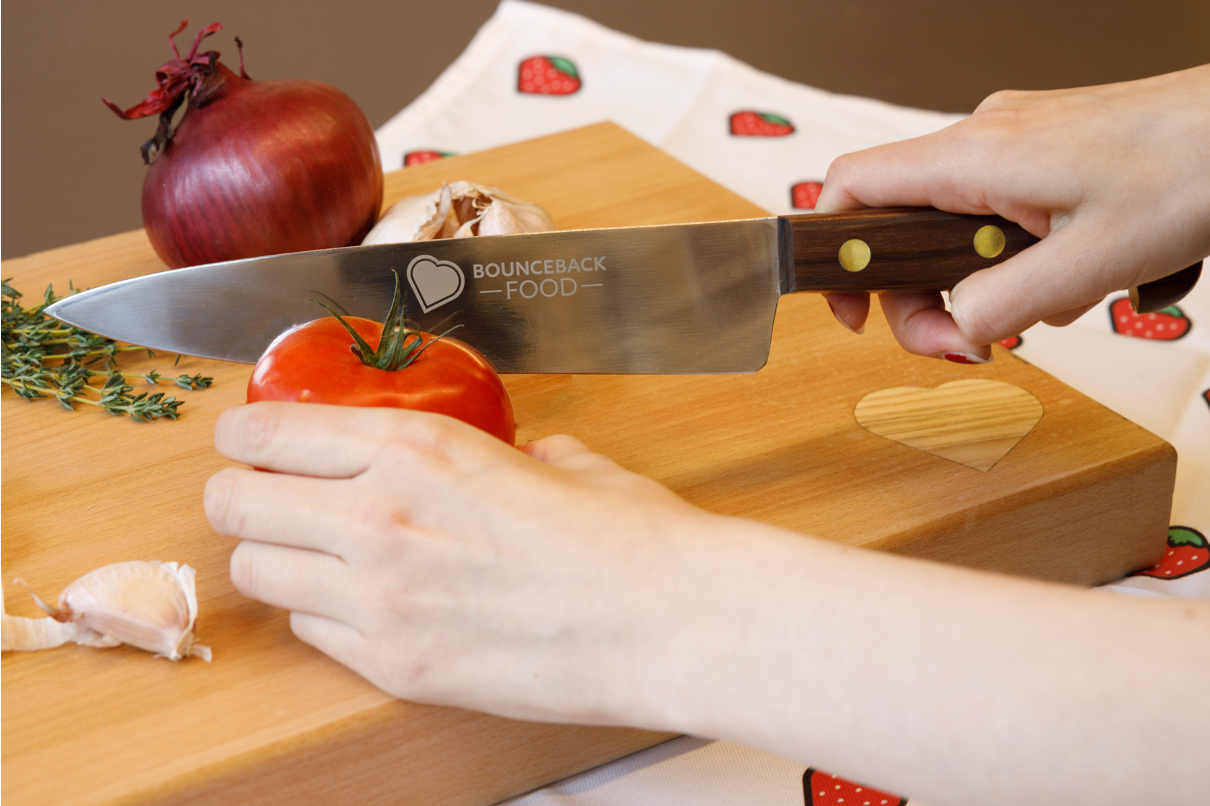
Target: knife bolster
[785,257]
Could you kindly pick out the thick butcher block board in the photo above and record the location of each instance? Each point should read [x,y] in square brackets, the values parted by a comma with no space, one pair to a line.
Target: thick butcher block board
[1084,497]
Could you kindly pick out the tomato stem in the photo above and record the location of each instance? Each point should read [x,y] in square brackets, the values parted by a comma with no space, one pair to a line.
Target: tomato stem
[398,347]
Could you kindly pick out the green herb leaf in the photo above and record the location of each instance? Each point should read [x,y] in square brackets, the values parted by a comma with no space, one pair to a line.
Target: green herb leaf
[42,357]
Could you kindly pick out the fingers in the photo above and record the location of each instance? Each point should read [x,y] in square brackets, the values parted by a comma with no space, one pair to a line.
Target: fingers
[850,309]
[1065,318]
[350,477]
[972,167]
[336,639]
[921,172]
[304,581]
[1064,272]
[874,177]
[923,326]
[1067,272]
[276,508]
[556,450]
[310,439]
[569,453]
[337,442]
[1103,175]
[396,667]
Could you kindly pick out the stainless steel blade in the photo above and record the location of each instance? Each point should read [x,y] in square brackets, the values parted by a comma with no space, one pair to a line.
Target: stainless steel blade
[692,298]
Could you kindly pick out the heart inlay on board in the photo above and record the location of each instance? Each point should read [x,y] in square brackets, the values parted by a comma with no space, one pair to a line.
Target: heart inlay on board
[974,422]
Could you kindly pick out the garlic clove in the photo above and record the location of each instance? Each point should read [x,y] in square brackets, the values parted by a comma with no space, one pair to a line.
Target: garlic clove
[458,210]
[437,224]
[503,219]
[21,633]
[148,605]
[401,223]
[87,637]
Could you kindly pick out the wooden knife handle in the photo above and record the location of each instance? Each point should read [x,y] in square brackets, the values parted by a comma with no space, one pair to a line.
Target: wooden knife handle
[921,249]
[1159,294]
[901,249]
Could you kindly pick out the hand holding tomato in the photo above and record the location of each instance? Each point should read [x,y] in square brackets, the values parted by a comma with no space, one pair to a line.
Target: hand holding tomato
[549,583]
[446,567]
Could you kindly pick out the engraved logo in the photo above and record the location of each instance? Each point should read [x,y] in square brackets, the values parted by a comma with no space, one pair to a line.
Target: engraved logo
[435,282]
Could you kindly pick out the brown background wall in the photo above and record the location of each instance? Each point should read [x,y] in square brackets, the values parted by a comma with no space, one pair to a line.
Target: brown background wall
[71,170]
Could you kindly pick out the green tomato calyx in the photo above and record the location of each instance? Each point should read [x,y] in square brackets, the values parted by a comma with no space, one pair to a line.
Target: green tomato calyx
[399,345]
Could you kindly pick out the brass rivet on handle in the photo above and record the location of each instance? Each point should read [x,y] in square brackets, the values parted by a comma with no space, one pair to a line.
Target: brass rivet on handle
[989,241]
[854,255]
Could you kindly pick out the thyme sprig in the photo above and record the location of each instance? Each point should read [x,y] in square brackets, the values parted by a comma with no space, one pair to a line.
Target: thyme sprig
[43,358]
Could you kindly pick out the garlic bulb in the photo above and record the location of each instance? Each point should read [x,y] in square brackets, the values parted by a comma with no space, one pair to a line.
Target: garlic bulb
[149,605]
[458,210]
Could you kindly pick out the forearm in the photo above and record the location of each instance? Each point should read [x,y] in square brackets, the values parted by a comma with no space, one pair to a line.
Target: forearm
[945,684]
[410,549]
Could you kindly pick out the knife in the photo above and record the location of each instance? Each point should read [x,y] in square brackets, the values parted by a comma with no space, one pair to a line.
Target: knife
[659,299]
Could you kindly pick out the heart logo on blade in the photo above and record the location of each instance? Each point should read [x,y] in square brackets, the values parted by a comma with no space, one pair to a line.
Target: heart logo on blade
[973,422]
[435,282]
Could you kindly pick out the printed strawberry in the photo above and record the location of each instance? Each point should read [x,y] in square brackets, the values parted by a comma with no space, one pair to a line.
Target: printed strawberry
[821,788]
[1206,396]
[547,75]
[421,157]
[760,124]
[1166,325]
[1011,343]
[1188,553]
[804,195]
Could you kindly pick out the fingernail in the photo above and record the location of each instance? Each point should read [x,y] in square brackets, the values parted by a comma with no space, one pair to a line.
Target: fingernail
[963,358]
[847,326]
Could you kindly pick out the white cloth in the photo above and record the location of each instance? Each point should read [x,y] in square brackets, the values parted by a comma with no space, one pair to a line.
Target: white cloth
[687,770]
[682,100]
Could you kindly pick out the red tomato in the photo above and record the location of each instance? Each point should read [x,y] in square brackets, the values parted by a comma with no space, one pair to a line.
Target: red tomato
[317,363]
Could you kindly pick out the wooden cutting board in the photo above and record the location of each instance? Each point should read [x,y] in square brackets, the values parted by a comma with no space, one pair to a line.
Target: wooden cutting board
[1082,495]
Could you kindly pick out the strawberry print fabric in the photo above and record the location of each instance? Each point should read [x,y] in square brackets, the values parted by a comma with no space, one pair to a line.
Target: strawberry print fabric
[760,124]
[1169,324]
[825,789]
[803,195]
[532,70]
[548,75]
[421,157]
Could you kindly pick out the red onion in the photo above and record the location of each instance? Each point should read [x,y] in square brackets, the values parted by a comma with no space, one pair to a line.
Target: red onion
[253,167]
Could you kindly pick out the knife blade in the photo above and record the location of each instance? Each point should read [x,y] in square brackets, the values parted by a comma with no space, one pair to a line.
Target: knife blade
[661,299]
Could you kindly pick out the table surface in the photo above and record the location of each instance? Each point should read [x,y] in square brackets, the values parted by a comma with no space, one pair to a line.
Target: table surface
[272,718]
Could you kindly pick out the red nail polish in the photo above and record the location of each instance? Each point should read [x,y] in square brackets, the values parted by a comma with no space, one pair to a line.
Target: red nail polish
[963,358]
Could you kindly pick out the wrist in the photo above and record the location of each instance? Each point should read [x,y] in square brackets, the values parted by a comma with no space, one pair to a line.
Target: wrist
[725,606]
